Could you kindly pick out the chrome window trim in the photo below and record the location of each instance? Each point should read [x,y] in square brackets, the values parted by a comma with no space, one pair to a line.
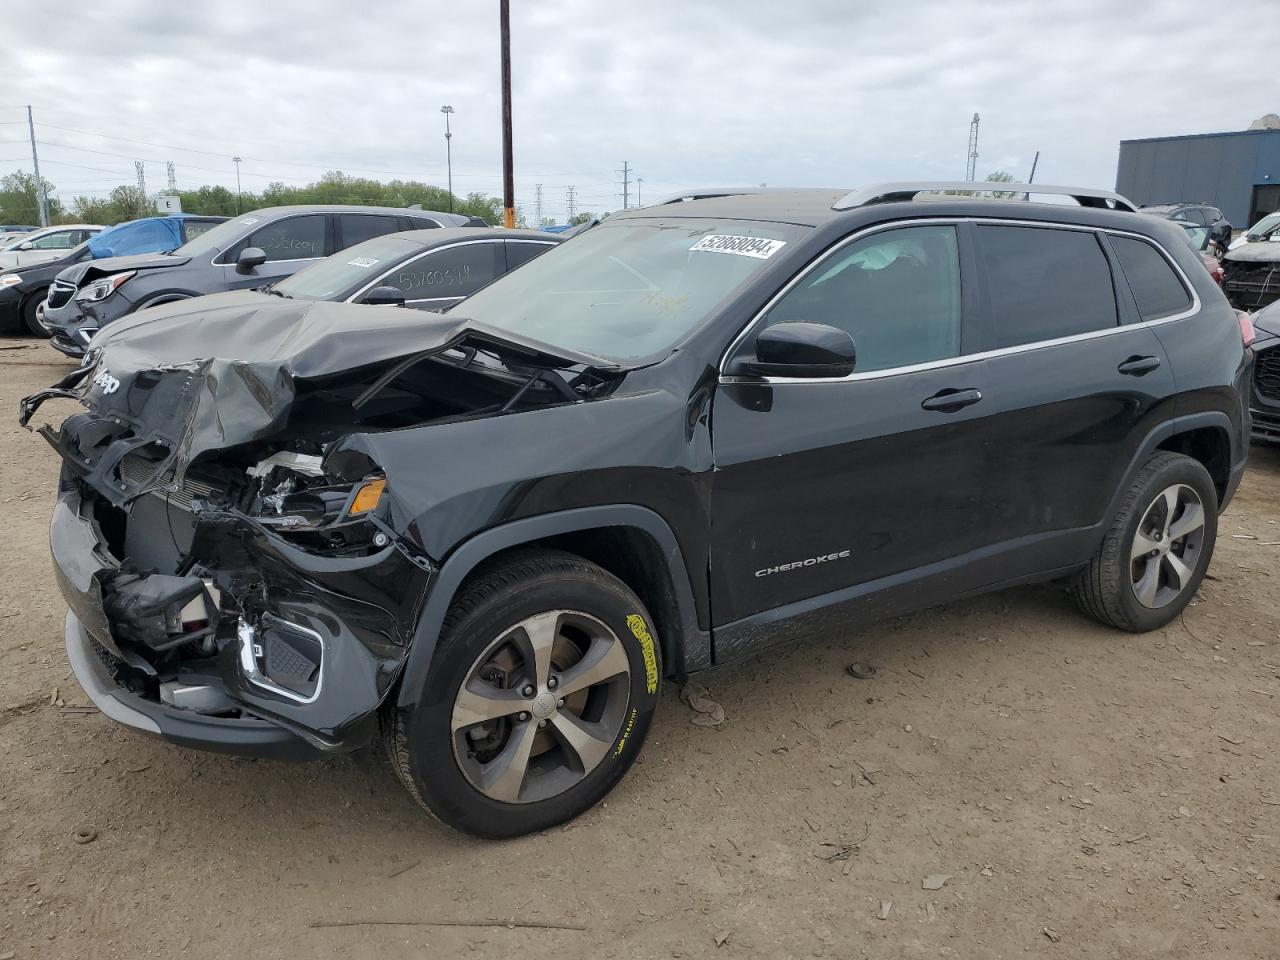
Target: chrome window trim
[968,357]
[425,253]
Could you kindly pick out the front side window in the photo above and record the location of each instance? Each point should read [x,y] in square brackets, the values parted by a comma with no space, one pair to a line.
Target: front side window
[447,274]
[194,228]
[1154,283]
[1043,284]
[897,293]
[345,272]
[59,240]
[630,288]
[293,238]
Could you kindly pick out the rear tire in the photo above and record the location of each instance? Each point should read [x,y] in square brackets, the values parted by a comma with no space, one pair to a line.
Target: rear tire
[539,697]
[1157,549]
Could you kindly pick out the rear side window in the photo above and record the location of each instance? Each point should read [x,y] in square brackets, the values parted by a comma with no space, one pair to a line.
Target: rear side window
[522,251]
[1044,284]
[1154,283]
[446,274]
[294,238]
[357,228]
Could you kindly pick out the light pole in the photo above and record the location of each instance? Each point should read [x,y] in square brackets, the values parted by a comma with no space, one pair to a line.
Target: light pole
[639,184]
[236,161]
[448,150]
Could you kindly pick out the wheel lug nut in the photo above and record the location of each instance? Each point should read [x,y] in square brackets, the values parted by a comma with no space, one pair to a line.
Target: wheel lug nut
[560,703]
[528,690]
[551,683]
[522,716]
[541,724]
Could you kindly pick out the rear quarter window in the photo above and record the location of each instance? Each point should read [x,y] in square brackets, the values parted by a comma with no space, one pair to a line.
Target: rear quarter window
[1156,286]
[1044,284]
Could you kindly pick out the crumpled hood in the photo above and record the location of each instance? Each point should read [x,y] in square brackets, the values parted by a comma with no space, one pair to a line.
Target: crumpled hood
[196,376]
[1259,252]
[91,270]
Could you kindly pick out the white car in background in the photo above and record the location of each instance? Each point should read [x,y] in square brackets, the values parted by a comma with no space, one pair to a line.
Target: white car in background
[1258,231]
[47,243]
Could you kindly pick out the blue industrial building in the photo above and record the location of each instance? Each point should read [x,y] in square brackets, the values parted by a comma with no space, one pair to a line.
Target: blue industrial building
[1239,173]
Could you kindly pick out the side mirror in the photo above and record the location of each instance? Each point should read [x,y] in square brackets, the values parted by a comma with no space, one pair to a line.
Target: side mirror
[249,258]
[385,295]
[795,348]
[28,245]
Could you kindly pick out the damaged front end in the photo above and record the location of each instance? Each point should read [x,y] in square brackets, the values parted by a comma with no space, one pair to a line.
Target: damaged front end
[239,576]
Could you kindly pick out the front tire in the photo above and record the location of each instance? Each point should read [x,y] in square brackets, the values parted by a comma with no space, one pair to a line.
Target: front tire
[538,700]
[1157,549]
[31,313]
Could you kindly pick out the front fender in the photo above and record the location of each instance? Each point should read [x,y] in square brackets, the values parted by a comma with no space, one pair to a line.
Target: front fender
[694,644]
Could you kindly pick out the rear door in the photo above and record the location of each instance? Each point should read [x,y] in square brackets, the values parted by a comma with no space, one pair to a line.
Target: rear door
[353,228]
[1074,386]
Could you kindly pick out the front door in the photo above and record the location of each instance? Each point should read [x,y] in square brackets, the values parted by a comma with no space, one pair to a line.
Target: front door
[825,485]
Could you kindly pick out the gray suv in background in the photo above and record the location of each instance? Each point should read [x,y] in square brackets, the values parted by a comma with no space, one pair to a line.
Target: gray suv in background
[249,251]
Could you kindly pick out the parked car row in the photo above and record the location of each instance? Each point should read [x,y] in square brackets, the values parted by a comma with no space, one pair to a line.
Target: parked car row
[23,289]
[262,248]
[295,521]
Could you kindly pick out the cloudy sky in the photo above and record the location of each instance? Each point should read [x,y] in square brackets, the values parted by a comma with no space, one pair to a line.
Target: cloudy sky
[717,92]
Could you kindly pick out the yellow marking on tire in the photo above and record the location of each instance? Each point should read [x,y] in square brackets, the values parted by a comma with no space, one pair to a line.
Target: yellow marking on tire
[641,632]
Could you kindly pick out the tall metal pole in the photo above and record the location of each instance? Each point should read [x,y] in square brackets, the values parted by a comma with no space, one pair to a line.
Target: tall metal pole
[508,173]
[639,184]
[236,160]
[448,150]
[42,201]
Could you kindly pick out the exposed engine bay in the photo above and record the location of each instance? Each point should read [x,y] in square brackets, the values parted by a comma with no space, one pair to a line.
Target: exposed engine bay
[247,552]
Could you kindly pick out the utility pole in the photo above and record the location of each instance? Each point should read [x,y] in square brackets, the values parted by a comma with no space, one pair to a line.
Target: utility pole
[1032,178]
[537,205]
[172,171]
[570,203]
[508,172]
[140,166]
[448,150]
[971,169]
[42,201]
[639,184]
[236,161]
[626,185]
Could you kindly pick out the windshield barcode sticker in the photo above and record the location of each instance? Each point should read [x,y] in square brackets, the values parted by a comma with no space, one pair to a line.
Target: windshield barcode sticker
[365,262]
[761,248]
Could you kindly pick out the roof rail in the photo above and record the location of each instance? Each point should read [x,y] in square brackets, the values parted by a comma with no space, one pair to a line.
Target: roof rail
[705,193]
[907,190]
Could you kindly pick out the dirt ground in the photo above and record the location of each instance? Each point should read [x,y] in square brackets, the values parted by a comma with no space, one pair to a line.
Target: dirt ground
[1087,793]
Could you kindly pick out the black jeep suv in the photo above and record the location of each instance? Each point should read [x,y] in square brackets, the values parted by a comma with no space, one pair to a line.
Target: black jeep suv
[693,431]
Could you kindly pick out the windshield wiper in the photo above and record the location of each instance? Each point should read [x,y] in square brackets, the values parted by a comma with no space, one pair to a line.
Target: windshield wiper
[271,289]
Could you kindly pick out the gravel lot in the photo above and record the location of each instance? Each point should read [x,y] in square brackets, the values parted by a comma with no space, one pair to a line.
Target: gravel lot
[1087,793]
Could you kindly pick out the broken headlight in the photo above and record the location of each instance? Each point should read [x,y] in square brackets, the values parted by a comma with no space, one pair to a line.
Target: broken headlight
[295,495]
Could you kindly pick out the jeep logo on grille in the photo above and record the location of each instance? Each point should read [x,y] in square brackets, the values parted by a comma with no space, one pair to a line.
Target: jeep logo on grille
[106,381]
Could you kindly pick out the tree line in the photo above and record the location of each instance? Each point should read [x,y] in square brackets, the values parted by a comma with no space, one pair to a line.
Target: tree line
[19,203]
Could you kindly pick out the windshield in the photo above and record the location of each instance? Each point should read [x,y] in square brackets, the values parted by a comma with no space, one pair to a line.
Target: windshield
[350,268]
[1264,227]
[629,288]
[220,237]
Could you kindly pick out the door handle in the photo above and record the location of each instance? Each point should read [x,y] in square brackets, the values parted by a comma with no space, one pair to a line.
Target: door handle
[951,400]
[1139,366]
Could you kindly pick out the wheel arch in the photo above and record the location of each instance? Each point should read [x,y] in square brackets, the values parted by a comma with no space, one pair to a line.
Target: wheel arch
[1208,437]
[632,542]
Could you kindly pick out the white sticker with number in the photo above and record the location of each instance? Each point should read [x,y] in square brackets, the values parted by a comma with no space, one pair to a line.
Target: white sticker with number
[762,248]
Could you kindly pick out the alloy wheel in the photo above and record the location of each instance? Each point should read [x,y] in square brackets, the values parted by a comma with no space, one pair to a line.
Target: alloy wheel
[1167,546]
[541,707]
